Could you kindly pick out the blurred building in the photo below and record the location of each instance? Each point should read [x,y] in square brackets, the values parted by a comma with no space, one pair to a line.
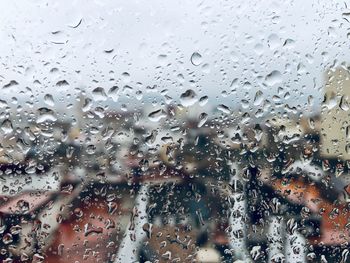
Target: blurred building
[335,124]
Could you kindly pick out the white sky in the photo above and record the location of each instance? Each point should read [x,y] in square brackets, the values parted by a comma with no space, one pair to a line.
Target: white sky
[240,39]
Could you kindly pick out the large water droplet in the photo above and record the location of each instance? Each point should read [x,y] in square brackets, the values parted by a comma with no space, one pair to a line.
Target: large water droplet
[157,115]
[196,59]
[203,117]
[273,78]
[6,126]
[48,99]
[99,94]
[188,98]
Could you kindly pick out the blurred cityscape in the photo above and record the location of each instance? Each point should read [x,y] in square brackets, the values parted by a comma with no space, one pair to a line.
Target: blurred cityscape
[175,184]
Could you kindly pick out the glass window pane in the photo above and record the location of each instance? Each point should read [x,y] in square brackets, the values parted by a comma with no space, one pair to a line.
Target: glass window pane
[174,131]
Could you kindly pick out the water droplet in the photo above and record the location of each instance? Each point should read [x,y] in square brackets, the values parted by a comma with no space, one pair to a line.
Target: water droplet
[188,98]
[91,229]
[48,99]
[196,59]
[11,84]
[7,239]
[6,126]
[203,117]
[223,108]
[99,94]
[148,229]
[62,83]
[258,98]
[157,115]
[273,78]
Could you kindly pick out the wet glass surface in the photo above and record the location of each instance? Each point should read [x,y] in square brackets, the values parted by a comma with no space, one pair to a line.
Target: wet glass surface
[174,131]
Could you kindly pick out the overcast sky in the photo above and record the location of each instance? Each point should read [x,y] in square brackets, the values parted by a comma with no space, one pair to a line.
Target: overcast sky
[93,43]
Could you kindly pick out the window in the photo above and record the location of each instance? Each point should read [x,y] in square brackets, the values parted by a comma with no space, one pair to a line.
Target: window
[174,131]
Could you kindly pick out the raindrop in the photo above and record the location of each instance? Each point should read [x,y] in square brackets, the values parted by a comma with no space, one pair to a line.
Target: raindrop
[148,229]
[23,206]
[256,252]
[48,99]
[62,83]
[258,98]
[203,117]
[7,239]
[99,94]
[91,229]
[188,98]
[6,126]
[196,59]
[45,114]
[344,105]
[223,108]
[126,77]
[203,100]
[157,115]
[275,77]
[10,84]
